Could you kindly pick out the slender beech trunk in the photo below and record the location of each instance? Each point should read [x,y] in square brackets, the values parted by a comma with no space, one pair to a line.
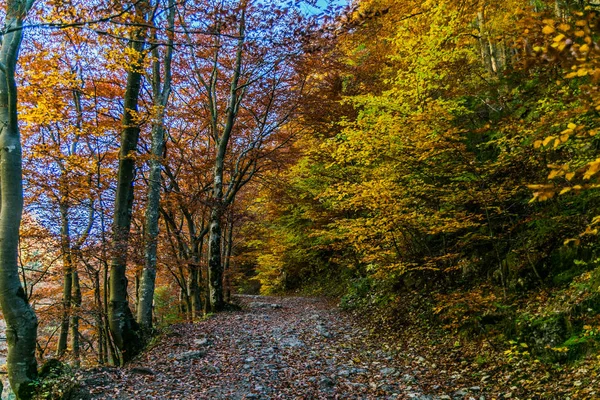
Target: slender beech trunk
[195,270]
[71,288]
[65,243]
[76,297]
[111,355]
[21,322]
[193,267]
[227,264]
[136,283]
[194,290]
[193,252]
[186,301]
[65,237]
[206,290]
[123,326]
[183,302]
[215,265]
[98,316]
[161,92]
[493,58]
[76,302]
[484,44]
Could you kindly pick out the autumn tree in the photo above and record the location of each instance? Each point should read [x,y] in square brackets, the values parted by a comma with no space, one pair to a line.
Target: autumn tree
[20,318]
[422,182]
[69,147]
[123,325]
[184,210]
[161,90]
[244,72]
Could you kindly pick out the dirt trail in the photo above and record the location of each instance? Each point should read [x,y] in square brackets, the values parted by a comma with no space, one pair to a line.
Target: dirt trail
[276,348]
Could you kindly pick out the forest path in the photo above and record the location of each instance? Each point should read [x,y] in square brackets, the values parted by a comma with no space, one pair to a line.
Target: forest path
[276,348]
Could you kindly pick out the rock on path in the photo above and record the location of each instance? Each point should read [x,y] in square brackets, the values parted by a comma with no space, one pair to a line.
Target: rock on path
[277,348]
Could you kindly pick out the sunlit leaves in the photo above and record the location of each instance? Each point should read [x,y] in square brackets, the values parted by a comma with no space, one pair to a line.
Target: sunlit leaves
[548,30]
[581,63]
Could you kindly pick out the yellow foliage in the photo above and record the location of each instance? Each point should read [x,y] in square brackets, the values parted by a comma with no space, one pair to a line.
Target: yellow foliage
[592,169]
[547,140]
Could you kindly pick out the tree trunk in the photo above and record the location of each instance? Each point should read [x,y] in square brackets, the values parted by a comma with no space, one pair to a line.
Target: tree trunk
[146,292]
[226,268]
[65,241]
[484,45]
[215,267]
[99,321]
[123,326]
[21,322]
[76,302]
[161,97]
[493,58]
[194,270]
[183,301]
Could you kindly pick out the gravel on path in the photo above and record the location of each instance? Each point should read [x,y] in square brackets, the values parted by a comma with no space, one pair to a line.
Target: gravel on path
[275,348]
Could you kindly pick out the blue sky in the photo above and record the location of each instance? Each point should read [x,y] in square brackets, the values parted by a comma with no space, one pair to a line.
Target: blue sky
[322,4]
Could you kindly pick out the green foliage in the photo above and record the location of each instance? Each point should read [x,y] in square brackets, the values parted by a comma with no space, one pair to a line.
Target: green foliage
[164,309]
[578,346]
[56,382]
[249,286]
[358,294]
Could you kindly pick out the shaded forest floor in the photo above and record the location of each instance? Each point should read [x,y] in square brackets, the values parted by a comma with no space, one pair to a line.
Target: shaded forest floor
[282,348]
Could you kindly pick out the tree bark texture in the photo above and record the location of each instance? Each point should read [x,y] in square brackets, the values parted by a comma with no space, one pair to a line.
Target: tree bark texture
[215,266]
[123,326]
[227,262]
[21,322]
[76,303]
[65,241]
[161,91]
